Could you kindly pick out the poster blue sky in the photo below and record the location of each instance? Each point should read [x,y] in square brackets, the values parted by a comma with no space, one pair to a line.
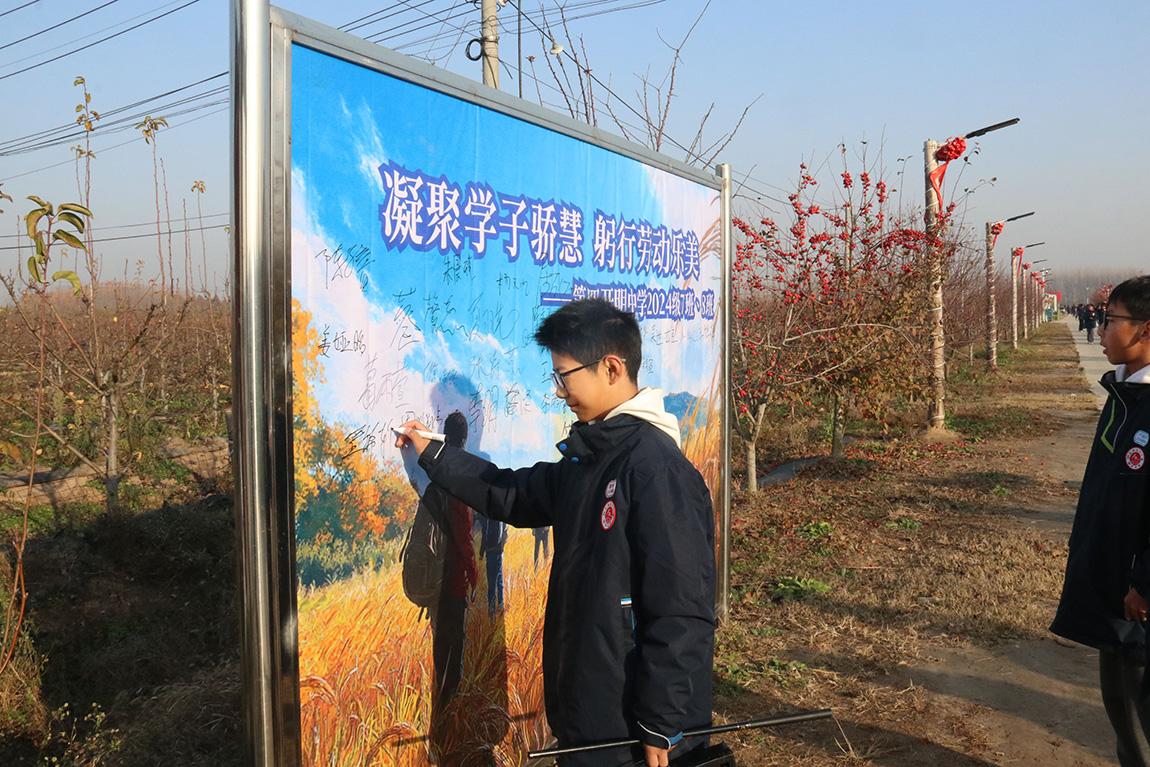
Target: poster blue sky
[430,235]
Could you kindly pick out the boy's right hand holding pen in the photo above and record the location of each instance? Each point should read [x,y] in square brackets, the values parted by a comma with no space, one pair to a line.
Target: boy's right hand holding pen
[416,434]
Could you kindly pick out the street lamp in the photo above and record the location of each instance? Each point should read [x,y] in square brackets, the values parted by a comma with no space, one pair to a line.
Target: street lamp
[1034,318]
[1043,282]
[936,414]
[993,229]
[1015,272]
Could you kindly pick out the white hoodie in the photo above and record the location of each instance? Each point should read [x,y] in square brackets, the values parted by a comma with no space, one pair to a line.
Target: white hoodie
[1142,376]
[648,406]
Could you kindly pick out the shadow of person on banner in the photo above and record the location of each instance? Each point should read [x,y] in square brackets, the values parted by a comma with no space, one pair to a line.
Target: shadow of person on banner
[471,712]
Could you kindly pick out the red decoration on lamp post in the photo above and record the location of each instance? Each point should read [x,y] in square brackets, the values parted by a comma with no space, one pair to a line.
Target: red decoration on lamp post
[951,150]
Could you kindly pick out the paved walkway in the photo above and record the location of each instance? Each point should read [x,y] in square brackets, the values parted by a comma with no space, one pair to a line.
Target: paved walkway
[1045,691]
[1090,358]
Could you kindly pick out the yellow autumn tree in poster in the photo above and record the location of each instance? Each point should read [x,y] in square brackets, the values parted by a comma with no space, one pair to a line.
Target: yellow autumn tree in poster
[366,671]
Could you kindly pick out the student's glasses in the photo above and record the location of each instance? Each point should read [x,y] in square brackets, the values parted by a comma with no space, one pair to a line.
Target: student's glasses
[1108,317]
[557,378]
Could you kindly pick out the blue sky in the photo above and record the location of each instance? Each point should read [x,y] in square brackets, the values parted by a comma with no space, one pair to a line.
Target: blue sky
[893,74]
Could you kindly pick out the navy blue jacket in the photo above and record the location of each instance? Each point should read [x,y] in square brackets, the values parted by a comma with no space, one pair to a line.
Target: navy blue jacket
[629,632]
[1109,545]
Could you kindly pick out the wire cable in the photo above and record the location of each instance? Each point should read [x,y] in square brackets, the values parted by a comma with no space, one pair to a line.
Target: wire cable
[19,8]
[101,40]
[587,71]
[105,149]
[75,132]
[6,146]
[88,36]
[119,226]
[132,236]
[57,26]
[353,25]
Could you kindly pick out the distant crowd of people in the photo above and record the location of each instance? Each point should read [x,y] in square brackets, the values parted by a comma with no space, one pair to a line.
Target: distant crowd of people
[1089,317]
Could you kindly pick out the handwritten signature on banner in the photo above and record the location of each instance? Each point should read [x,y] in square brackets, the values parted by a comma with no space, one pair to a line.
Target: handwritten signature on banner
[424,213]
[343,263]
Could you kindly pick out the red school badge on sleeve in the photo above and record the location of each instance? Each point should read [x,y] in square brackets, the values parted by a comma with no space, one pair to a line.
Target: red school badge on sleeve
[607,516]
[1135,458]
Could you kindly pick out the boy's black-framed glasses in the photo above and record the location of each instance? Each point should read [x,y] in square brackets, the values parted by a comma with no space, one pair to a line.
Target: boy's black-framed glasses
[1108,317]
[557,377]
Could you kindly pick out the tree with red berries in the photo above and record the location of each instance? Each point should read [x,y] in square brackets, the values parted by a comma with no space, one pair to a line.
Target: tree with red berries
[828,305]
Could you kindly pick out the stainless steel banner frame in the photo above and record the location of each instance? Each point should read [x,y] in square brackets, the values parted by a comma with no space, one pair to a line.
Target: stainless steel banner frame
[262,42]
[723,582]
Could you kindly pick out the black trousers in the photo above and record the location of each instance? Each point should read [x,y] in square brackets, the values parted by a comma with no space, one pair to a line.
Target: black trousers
[1126,696]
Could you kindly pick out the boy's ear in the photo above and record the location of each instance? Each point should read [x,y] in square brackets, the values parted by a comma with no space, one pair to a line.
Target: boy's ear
[616,368]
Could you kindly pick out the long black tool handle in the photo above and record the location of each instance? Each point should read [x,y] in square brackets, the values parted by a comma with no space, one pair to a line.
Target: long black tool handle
[801,716]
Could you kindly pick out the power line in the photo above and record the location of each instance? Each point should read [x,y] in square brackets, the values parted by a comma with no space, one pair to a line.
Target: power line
[587,3]
[19,8]
[383,34]
[353,25]
[12,144]
[116,126]
[121,226]
[88,36]
[101,40]
[59,135]
[63,134]
[604,86]
[109,148]
[439,33]
[134,236]
[57,26]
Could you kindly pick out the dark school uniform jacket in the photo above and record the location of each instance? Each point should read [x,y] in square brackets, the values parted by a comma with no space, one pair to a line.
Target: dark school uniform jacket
[1109,547]
[629,631]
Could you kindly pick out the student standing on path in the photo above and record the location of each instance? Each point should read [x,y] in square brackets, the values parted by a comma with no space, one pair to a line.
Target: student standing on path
[1104,596]
[628,638]
[1089,321]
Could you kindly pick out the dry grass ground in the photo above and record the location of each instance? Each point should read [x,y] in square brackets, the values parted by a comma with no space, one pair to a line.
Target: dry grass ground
[865,566]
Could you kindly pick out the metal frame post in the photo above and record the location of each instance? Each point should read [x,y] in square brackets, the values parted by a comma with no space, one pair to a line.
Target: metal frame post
[724,579]
[250,31]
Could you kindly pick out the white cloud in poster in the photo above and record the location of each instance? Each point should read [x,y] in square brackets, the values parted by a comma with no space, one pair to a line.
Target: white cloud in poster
[399,372]
[365,143]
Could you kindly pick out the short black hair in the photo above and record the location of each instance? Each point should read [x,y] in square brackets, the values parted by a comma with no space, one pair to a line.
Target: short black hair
[1134,294]
[591,328]
[455,429]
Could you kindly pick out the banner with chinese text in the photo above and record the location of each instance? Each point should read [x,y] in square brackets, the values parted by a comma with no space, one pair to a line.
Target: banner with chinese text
[429,236]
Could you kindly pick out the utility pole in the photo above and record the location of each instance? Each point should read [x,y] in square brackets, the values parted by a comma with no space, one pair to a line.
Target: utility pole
[936,412]
[992,232]
[1015,253]
[490,56]
[519,46]
[991,319]
[1016,269]
[1026,311]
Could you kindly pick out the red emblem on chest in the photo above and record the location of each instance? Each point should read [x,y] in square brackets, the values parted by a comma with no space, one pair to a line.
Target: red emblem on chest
[607,517]
[1135,458]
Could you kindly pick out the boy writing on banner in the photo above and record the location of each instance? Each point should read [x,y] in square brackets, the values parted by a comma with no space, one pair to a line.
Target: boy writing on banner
[629,631]
[1104,597]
